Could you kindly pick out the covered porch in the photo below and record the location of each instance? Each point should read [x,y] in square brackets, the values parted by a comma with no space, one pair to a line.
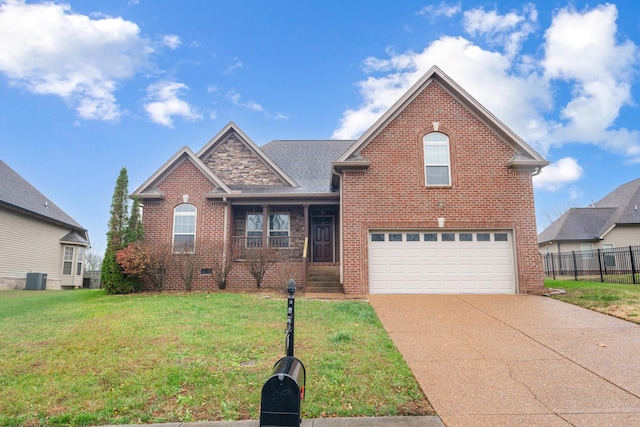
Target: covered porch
[303,236]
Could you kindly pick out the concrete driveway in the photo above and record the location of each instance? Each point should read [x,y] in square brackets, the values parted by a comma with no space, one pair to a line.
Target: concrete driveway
[517,360]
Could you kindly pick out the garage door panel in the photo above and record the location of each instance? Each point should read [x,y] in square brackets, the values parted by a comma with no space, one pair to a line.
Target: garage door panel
[466,264]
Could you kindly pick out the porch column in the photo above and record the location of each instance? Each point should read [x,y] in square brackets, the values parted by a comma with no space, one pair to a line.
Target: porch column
[265,225]
[306,235]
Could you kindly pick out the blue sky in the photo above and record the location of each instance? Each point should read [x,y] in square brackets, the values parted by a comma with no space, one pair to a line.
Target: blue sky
[87,87]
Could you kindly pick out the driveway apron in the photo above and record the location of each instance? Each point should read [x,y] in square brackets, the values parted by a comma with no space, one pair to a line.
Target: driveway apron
[516,360]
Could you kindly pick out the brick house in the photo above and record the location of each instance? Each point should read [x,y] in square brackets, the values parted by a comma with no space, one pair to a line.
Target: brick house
[436,197]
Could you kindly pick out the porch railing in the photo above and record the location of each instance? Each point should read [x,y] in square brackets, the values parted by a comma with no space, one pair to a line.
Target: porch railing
[288,247]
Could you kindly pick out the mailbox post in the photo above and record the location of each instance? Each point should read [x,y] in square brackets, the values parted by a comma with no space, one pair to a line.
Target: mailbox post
[283,392]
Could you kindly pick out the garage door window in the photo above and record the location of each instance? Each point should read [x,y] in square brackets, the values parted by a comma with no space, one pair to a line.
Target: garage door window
[377,237]
[430,237]
[395,237]
[466,237]
[484,237]
[448,237]
[500,237]
[413,237]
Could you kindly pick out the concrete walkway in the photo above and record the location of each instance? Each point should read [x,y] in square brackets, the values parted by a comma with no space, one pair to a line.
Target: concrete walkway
[517,360]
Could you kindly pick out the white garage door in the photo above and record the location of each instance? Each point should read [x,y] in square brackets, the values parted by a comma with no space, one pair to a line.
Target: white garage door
[465,261]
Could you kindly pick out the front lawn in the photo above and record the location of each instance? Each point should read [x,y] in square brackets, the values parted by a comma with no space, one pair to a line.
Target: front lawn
[618,300]
[86,358]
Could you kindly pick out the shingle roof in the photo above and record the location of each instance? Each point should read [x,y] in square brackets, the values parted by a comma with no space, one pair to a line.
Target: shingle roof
[627,199]
[620,207]
[17,194]
[578,224]
[307,162]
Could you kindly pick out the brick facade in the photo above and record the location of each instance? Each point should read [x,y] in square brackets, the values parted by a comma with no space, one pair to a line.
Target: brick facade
[387,191]
[484,193]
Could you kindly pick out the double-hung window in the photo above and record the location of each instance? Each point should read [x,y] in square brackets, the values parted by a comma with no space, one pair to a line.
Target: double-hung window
[437,161]
[184,228]
[254,230]
[67,265]
[279,230]
[79,260]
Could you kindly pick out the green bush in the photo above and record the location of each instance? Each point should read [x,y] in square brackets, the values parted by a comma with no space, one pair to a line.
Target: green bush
[114,281]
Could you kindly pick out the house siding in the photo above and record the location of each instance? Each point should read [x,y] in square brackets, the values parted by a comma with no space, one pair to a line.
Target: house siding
[29,245]
[484,193]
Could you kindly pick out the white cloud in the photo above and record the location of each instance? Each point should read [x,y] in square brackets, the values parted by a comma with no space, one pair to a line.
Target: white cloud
[509,30]
[471,67]
[234,97]
[441,9]
[165,104]
[171,41]
[558,174]
[581,48]
[48,49]
[580,56]
[235,66]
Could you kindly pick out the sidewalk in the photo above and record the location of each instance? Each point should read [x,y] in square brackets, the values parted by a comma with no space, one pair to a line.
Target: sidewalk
[430,421]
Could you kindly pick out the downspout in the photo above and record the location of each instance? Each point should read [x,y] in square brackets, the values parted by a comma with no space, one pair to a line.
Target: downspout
[339,175]
[306,235]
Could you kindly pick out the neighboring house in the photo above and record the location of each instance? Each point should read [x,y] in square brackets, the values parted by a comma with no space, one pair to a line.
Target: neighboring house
[436,197]
[37,237]
[613,222]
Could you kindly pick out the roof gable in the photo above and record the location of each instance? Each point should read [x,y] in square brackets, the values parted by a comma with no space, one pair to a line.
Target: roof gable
[17,194]
[620,207]
[626,198]
[525,157]
[237,160]
[149,190]
[587,224]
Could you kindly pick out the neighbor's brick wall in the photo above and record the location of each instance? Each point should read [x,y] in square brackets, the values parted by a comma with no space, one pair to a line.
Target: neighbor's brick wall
[392,193]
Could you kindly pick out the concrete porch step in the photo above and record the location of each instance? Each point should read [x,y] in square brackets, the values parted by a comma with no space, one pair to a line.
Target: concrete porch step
[322,278]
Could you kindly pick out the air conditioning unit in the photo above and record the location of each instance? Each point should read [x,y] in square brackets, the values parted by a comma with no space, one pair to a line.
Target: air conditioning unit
[36,282]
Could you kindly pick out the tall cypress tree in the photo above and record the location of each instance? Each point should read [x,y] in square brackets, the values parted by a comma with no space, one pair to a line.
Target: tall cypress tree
[134,231]
[111,276]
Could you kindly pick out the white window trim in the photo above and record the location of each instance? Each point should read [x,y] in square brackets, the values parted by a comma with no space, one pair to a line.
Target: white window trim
[424,154]
[195,227]
[65,260]
[79,261]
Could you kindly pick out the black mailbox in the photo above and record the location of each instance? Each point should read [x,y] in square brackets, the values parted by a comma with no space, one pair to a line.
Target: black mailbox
[282,394]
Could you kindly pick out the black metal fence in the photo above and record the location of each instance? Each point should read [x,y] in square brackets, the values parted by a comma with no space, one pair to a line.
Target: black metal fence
[615,265]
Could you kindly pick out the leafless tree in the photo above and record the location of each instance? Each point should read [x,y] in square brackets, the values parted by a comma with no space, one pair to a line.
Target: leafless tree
[223,258]
[155,272]
[186,263]
[258,261]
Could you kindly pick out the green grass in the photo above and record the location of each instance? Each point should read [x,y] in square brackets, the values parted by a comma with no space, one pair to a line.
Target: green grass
[81,357]
[618,300]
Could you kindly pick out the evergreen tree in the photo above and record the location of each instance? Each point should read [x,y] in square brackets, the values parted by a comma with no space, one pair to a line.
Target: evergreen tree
[111,276]
[134,231]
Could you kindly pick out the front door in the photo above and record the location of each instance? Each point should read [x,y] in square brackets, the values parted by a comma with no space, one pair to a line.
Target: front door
[322,239]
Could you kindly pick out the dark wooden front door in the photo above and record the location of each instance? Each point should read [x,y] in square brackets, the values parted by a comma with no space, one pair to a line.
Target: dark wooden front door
[323,239]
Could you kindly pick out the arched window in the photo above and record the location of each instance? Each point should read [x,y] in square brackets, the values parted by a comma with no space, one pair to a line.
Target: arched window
[437,162]
[184,228]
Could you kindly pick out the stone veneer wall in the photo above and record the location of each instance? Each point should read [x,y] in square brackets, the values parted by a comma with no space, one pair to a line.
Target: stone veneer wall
[235,164]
